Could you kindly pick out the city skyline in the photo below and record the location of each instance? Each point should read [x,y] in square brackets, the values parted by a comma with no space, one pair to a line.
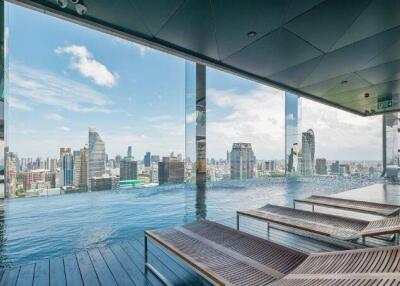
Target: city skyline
[73,82]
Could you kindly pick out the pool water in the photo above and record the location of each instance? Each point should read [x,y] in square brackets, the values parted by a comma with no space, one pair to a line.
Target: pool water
[35,228]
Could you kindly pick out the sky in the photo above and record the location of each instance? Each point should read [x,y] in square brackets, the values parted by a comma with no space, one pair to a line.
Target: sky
[64,78]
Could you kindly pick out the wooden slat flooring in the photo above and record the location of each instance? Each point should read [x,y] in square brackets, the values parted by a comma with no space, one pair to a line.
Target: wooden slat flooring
[123,263]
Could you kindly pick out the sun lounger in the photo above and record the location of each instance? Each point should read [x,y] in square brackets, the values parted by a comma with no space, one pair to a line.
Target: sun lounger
[351,205]
[343,228]
[224,256]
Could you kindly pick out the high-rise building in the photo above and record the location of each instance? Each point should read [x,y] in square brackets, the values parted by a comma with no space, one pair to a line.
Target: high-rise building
[128,167]
[335,167]
[242,161]
[155,158]
[64,151]
[83,177]
[308,152]
[67,167]
[97,155]
[129,154]
[118,159]
[77,168]
[320,166]
[228,156]
[344,169]
[147,159]
[104,183]
[171,171]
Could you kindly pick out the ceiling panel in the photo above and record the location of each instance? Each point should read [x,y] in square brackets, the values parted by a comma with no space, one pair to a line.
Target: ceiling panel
[273,53]
[380,16]
[382,73]
[338,84]
[189,29]
[297,8]
[295,75]
[351,58]
[232,32]
[165,9]
[308,47]
[111,11]
[320,26]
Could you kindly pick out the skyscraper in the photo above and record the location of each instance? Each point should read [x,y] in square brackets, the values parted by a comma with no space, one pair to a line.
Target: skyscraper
[97,155]
[129,154]
[242,161]
[320,166]
[147,159]
[308,152]
[64,151]
[335,167]
[67,167]
[171,171]
[77,168]
[83,177]
[128,167]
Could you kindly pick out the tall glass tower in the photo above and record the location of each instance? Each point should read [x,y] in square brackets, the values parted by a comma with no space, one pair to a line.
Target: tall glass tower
[308,153]
[97,155]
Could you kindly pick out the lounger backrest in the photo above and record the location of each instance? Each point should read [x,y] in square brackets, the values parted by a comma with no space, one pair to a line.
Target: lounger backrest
[382,226]
[373,266]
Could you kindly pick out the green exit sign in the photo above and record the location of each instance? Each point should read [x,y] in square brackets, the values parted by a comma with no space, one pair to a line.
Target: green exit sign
[385,102]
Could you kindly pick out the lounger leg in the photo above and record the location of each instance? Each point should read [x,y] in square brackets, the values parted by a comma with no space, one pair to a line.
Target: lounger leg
[148,266]
[145,250]
[363,240]
[312,207]
[396,239]
[268,229]
[294,204]
[237,221]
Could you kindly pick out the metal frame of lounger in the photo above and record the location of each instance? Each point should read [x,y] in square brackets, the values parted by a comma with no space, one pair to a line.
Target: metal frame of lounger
[208,247]
[342,228]
[380,209]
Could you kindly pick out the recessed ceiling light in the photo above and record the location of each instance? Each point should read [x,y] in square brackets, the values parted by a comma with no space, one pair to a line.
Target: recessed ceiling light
[62,3]
[80,9]
[344,82]
[366,95]
[251,34]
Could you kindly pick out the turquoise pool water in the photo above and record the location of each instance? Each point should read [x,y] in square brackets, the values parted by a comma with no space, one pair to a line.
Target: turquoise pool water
[34,228]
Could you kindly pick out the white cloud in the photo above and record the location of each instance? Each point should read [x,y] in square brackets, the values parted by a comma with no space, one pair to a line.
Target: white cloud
[6,37]
[65,128]
[143,50]
[54,116]
[255,116]
[342,135]
[83,61]
[191,118]
[34,87]
[18,104]
[158,118]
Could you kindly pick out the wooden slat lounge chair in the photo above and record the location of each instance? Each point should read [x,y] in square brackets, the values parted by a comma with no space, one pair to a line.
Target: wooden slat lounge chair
[224,256]
[343,228]
[351,205]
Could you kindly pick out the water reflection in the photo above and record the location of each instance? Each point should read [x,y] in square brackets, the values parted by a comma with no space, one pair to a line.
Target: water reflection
[2,233]
[201,206]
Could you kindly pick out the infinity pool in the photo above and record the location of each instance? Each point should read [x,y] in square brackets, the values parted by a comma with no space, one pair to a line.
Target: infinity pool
[34,228]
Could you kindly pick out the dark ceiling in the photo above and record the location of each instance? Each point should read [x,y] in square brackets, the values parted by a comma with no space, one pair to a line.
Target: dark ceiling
[345,53]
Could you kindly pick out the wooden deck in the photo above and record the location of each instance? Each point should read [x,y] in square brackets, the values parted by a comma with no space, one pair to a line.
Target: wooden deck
[123,263]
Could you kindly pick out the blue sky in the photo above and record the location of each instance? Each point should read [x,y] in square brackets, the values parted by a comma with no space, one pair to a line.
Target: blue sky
[65,78]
